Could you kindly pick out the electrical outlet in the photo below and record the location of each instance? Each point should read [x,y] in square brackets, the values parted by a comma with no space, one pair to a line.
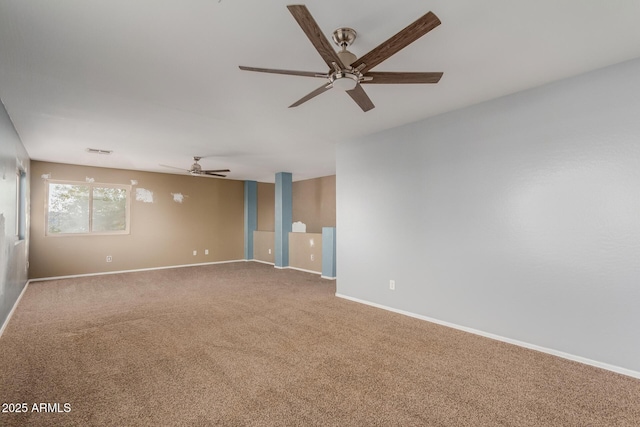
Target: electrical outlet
[109,258]
[206,251]
[195,253]
[312,257]
[269,251]
[392,285]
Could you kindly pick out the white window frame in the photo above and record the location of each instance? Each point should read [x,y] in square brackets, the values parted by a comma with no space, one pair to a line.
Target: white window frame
[21,203]
[91,186]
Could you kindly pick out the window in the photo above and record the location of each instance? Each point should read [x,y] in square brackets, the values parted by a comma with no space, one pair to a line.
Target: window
[87,208]
[21,203]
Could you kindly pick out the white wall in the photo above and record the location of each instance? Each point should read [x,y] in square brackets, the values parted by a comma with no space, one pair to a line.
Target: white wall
[519,217]
[13,252]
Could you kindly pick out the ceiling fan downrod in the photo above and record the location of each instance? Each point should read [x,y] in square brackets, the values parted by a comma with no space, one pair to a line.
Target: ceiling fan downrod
[344,37]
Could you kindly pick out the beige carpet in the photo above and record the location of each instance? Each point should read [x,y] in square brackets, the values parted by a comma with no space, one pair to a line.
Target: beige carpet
[246,344]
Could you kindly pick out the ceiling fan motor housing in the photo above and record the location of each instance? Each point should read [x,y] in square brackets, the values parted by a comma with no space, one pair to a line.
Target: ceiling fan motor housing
[196,169]
[347,57]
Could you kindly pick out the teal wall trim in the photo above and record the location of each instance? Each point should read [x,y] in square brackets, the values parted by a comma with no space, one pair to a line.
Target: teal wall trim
[250,216]
[329,252]
[283,217]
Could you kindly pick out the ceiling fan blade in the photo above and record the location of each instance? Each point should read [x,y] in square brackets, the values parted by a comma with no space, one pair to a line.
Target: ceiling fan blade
[362,99]
[173,167]
[313,94]
[213,174]
[315,35]
[401,77]
[289,72]
[405,37]
[216,170]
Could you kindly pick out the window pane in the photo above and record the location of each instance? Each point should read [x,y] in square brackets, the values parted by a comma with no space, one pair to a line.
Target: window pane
[18,202]
[68,208]
[21,203]
[109,209]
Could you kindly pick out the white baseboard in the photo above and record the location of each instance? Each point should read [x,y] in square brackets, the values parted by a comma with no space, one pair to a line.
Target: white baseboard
[42,279]
[328,278]
[608,367]
[302,269]
[288,267]
[260,261]
[15,305]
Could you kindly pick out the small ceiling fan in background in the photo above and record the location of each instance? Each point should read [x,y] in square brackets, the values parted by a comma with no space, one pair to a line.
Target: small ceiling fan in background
[197,170]
[346,71]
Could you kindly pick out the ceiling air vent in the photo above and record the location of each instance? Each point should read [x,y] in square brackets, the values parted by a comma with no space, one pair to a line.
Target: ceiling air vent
[98,151]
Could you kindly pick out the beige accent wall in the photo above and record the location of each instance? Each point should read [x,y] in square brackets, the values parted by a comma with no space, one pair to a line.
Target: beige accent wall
[163,233]
[264,246]
[314,203]
[304,246]
[266,206]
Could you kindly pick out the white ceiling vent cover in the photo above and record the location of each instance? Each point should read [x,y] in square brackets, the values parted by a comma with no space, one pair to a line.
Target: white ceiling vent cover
[98,151]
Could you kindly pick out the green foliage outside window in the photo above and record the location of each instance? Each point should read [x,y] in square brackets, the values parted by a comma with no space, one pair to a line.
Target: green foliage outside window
[79,208]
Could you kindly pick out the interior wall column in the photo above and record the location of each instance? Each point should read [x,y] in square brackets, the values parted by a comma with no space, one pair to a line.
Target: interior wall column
[283,218]
[328,252]
[250,216]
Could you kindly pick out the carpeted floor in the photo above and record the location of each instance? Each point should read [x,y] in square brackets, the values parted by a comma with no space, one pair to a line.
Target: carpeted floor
[245,344]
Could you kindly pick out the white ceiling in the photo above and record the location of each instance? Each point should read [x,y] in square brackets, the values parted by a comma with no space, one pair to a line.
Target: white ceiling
[157,81]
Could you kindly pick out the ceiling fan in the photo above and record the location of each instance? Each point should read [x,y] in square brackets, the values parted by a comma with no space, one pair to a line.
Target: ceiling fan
[197,170]
[346,71]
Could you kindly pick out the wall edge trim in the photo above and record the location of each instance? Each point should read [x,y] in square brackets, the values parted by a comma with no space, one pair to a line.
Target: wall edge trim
[557,353]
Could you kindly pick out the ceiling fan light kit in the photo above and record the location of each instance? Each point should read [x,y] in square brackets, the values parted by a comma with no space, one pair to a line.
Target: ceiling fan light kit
[344,80]
[348,72]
